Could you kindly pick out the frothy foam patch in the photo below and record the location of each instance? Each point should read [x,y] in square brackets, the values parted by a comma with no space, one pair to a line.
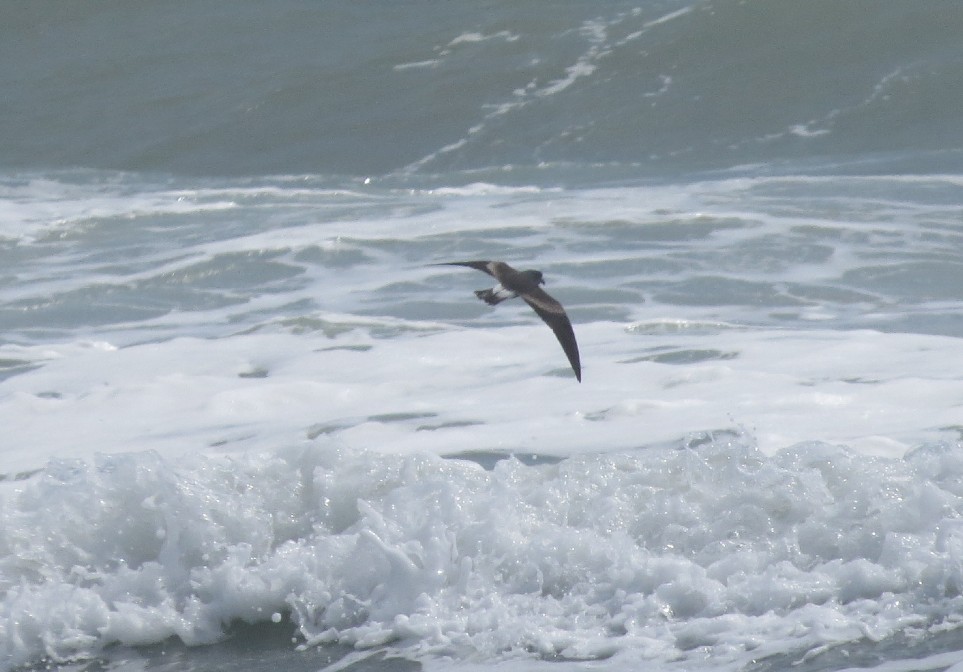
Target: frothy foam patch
[673,555]
[306,316]
[427,387]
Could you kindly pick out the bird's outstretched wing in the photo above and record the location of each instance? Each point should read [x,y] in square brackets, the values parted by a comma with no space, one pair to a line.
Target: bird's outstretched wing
[554,316]
[483,266]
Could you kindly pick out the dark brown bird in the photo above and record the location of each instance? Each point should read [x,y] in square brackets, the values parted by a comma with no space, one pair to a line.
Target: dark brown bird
[512,283]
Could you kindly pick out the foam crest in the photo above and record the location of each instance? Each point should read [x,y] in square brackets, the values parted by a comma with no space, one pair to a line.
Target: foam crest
[663,555]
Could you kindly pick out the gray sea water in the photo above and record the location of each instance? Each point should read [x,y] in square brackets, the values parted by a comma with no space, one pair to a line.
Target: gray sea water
[246,424]
[659,89]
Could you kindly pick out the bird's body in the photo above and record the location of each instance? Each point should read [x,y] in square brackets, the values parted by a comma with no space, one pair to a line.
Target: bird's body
[526,284]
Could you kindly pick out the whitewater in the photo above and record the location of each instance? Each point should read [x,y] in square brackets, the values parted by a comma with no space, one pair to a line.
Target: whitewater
[298,421]
[247,423]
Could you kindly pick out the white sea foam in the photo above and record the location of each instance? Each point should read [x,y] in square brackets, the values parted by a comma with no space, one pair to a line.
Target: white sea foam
[660,556]
[469,38]
[641,387]
[48,207]
[761,463]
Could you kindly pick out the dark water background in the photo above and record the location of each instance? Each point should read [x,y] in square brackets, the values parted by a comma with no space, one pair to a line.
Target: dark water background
[656,89]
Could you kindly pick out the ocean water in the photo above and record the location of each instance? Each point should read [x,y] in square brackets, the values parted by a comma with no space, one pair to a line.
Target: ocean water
[246,424]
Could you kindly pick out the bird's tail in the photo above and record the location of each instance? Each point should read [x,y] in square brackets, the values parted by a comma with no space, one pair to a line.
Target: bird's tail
[491,297]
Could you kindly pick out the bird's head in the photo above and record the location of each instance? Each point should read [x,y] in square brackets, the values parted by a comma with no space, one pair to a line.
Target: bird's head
[536,277]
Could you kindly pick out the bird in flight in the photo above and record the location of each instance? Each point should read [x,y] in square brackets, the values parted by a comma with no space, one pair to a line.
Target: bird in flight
[512,283]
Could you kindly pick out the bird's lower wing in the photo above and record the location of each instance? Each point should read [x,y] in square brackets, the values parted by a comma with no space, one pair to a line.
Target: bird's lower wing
[554,316]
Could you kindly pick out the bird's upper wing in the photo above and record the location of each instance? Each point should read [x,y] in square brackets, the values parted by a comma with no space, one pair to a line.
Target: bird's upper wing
[553,314]
[483,266]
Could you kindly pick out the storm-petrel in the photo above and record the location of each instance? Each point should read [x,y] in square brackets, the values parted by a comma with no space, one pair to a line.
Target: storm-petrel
[512,283]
